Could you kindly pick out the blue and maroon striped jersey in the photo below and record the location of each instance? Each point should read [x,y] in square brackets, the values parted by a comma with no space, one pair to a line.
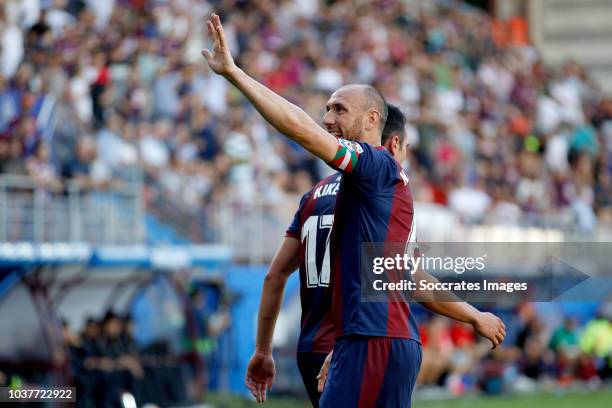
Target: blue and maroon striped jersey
[312,225]
[374,205]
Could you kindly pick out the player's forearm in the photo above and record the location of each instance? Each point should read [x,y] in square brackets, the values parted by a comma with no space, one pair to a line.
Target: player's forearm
[451,306]
[284,116]
[284,263]
[461,311]
[269,308]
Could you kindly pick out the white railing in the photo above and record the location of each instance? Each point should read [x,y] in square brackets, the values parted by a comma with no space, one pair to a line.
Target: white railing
[255,229]
[33,213]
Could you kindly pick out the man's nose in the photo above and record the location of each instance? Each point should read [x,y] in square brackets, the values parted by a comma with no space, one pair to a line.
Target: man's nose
[329,118]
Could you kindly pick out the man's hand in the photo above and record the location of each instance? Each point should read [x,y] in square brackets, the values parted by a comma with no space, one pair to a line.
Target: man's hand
[260,374]
[219,59]
[284,116]
[490,326]
[322,377]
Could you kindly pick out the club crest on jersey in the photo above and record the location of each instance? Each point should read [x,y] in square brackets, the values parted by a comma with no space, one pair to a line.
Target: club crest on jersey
[353,146]
[346,156]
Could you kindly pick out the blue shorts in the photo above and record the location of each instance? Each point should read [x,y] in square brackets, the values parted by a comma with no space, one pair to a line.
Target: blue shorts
[372,372]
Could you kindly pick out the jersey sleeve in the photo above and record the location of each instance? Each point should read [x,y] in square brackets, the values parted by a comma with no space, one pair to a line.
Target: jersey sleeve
[370,169]
[295,228]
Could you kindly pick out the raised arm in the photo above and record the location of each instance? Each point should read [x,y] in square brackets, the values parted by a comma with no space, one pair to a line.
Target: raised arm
[286,117]
[261,370]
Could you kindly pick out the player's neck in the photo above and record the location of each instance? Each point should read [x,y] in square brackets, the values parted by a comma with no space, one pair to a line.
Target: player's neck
[373,139]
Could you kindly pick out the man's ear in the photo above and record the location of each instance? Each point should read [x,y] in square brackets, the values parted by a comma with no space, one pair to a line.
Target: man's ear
[372,120]
[395,145]
[392,145]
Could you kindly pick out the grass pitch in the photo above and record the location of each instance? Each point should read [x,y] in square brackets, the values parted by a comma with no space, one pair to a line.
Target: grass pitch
[595,399]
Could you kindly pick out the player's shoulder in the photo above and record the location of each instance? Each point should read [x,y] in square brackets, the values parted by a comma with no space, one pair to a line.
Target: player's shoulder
[305,197]
[380,155]
[387,165]
[364,147]
[332,178]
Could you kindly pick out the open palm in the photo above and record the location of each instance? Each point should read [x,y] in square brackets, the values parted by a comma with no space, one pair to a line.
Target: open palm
[261,372]
[219,59]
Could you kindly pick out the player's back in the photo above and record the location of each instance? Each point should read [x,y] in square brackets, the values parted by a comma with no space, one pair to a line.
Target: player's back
[312,225]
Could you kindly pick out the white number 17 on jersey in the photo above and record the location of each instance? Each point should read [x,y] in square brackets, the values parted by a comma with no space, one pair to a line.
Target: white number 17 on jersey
[313,226]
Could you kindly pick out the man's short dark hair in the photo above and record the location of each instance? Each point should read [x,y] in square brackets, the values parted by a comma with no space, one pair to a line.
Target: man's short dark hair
[395,124]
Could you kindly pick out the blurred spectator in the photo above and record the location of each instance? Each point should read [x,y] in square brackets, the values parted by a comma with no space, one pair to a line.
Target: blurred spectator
[42,170]
[83,379]
[437,350]
[565,337]
[86,169]
[597,338]
[12,45]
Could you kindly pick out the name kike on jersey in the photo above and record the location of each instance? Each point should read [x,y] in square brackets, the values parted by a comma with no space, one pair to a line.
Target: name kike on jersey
[325,190]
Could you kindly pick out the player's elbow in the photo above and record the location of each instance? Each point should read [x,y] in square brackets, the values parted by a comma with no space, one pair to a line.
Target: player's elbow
[274,281]
[299,127]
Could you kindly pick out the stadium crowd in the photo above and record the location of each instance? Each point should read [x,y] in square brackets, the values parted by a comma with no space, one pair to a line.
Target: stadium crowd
[537,354]
[92,88]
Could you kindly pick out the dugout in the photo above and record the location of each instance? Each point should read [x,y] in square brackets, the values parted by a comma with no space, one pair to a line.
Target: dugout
[45,285]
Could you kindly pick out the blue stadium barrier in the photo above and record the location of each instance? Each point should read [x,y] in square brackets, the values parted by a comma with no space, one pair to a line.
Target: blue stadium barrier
[246,282]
